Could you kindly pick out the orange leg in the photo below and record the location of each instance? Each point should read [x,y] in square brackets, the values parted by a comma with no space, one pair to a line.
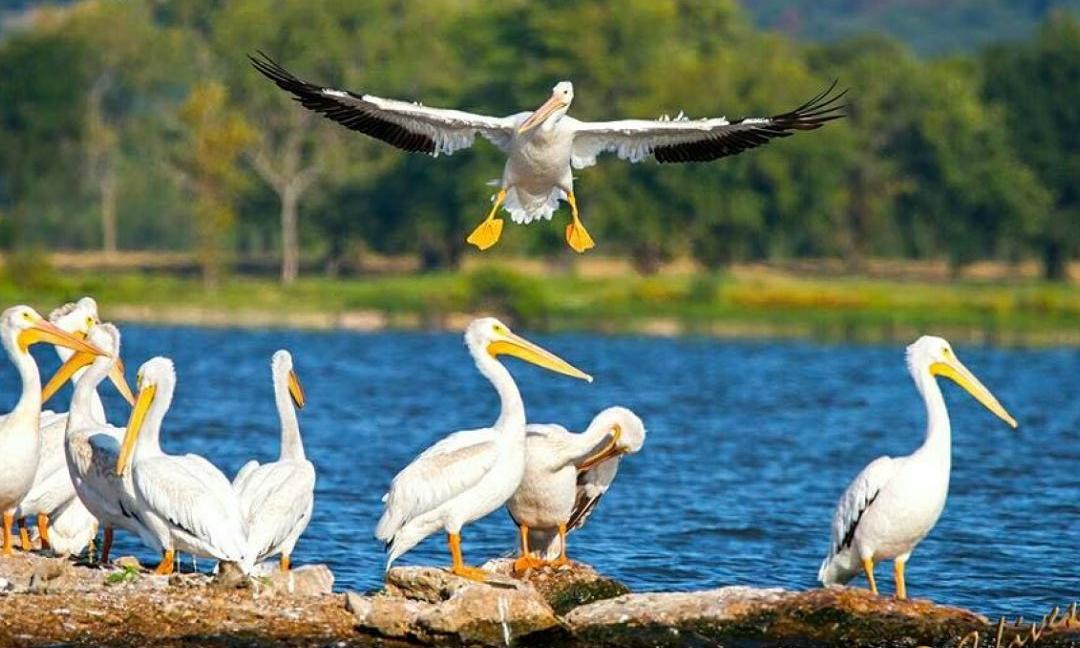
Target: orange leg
[9,519]
[458,565]
[577,237]
[167,564]
[43,529]
[487,233]
[868,567]
[106,546]
[898,576]
[24,536]
[562,559]
[526,561]
[286,562]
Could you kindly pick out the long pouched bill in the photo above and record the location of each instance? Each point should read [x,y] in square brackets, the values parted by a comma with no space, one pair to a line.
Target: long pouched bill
[44,331]
[77,361]
[519,347]
[541,113]
[134,426]
[296,390]
[955,371]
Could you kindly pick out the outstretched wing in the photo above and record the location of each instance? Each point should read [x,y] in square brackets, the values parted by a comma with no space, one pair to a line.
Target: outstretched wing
[408,126]
[858,497]
[699,140]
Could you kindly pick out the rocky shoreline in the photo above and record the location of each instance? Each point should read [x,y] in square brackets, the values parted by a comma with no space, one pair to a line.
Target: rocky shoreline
[51,601]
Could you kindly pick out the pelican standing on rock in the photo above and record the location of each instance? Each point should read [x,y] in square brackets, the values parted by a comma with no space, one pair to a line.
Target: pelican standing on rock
[276,498]
[470,473]
[187,503]
[545,145]
[894,502]
[566,474]
[20,438]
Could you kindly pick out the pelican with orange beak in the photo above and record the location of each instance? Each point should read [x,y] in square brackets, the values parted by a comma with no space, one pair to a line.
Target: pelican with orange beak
[20,438]
[471,473]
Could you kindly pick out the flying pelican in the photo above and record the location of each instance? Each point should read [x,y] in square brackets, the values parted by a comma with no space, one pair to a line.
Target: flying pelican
[545,145]
[187,503]
[894,502]
[470,473]
[92,446]
[277,498]
[20,439]
[53,488]
[566,474]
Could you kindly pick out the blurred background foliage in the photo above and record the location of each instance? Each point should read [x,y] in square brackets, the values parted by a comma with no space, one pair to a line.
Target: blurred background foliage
[140,125]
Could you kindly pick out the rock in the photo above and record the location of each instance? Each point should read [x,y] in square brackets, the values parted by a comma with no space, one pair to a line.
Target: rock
[47,574]
[433,606]
[308,580]
[127,562]
[567,586]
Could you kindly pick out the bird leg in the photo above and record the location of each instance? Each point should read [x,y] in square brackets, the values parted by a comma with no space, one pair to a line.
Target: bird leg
[167,564]
[24,536]
[286,562]
[487,233]
[43,529]
[868,567]
[458,567]
[898,576]
[526,561]
[577,237]
[562,559]
[8,520]
[106,546]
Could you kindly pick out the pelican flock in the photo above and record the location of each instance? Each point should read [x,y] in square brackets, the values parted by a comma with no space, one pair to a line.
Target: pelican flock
[544,146]
[895,502]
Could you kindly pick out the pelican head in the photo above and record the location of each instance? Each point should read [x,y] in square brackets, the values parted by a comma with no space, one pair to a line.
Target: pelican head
[76,317]
[627,435]
[281,364]
[156,373]
[22,327]
[562,95]
[937,356]
[103,336]
[488,336]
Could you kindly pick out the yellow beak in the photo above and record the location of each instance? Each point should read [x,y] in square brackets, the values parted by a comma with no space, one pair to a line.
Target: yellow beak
[77,361]
[519,347]
[540,114]
[44,331]
[609,451]
[296,390]
[955,371]
[134,426]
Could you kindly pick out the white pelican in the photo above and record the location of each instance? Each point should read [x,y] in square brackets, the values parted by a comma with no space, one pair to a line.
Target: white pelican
[470,473]
[187,503]
[92,446]
[20,438]
[894,502]
[53,488]
[566,474]
[545,145]
[277,497]
[71,528]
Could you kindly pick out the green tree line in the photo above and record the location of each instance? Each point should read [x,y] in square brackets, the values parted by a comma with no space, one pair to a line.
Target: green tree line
[140,125]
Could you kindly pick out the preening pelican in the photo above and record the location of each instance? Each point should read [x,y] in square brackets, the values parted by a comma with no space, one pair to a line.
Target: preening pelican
[276,498]
[53,489]
[187,503]
[566,474]
[92,445]
[543,146]
[894,502]
[20,438]
[473,472]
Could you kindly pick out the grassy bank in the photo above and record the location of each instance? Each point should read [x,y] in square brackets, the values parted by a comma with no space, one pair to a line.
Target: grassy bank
[743,303]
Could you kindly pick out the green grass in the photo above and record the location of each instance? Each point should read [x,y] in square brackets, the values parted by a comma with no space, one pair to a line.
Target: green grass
[762,303]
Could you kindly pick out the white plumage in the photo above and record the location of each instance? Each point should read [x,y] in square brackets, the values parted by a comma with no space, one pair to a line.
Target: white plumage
[471,473]
[895,501]
[544,145]
[277,498]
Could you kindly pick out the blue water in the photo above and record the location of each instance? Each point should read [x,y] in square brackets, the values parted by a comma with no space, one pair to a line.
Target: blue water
[749,446]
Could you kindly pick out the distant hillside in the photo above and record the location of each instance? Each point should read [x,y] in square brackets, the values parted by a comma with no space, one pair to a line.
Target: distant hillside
[929,26]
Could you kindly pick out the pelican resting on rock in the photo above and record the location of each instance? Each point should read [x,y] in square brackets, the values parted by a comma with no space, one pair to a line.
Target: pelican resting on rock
[566,474]
[277,497]
[544,146]
[895,501]
[470,473]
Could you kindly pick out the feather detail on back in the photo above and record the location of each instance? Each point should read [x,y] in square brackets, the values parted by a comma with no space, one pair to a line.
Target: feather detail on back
[840,565]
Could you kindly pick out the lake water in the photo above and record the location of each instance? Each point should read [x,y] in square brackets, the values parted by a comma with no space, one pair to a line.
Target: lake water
[749,446]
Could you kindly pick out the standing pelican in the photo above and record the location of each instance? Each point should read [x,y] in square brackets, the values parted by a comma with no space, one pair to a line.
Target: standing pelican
[894,502]
[53,488]
[470,473]
[277,498]
[20,439]
[545,145]
[187,503]
[565,476]
[92,445]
